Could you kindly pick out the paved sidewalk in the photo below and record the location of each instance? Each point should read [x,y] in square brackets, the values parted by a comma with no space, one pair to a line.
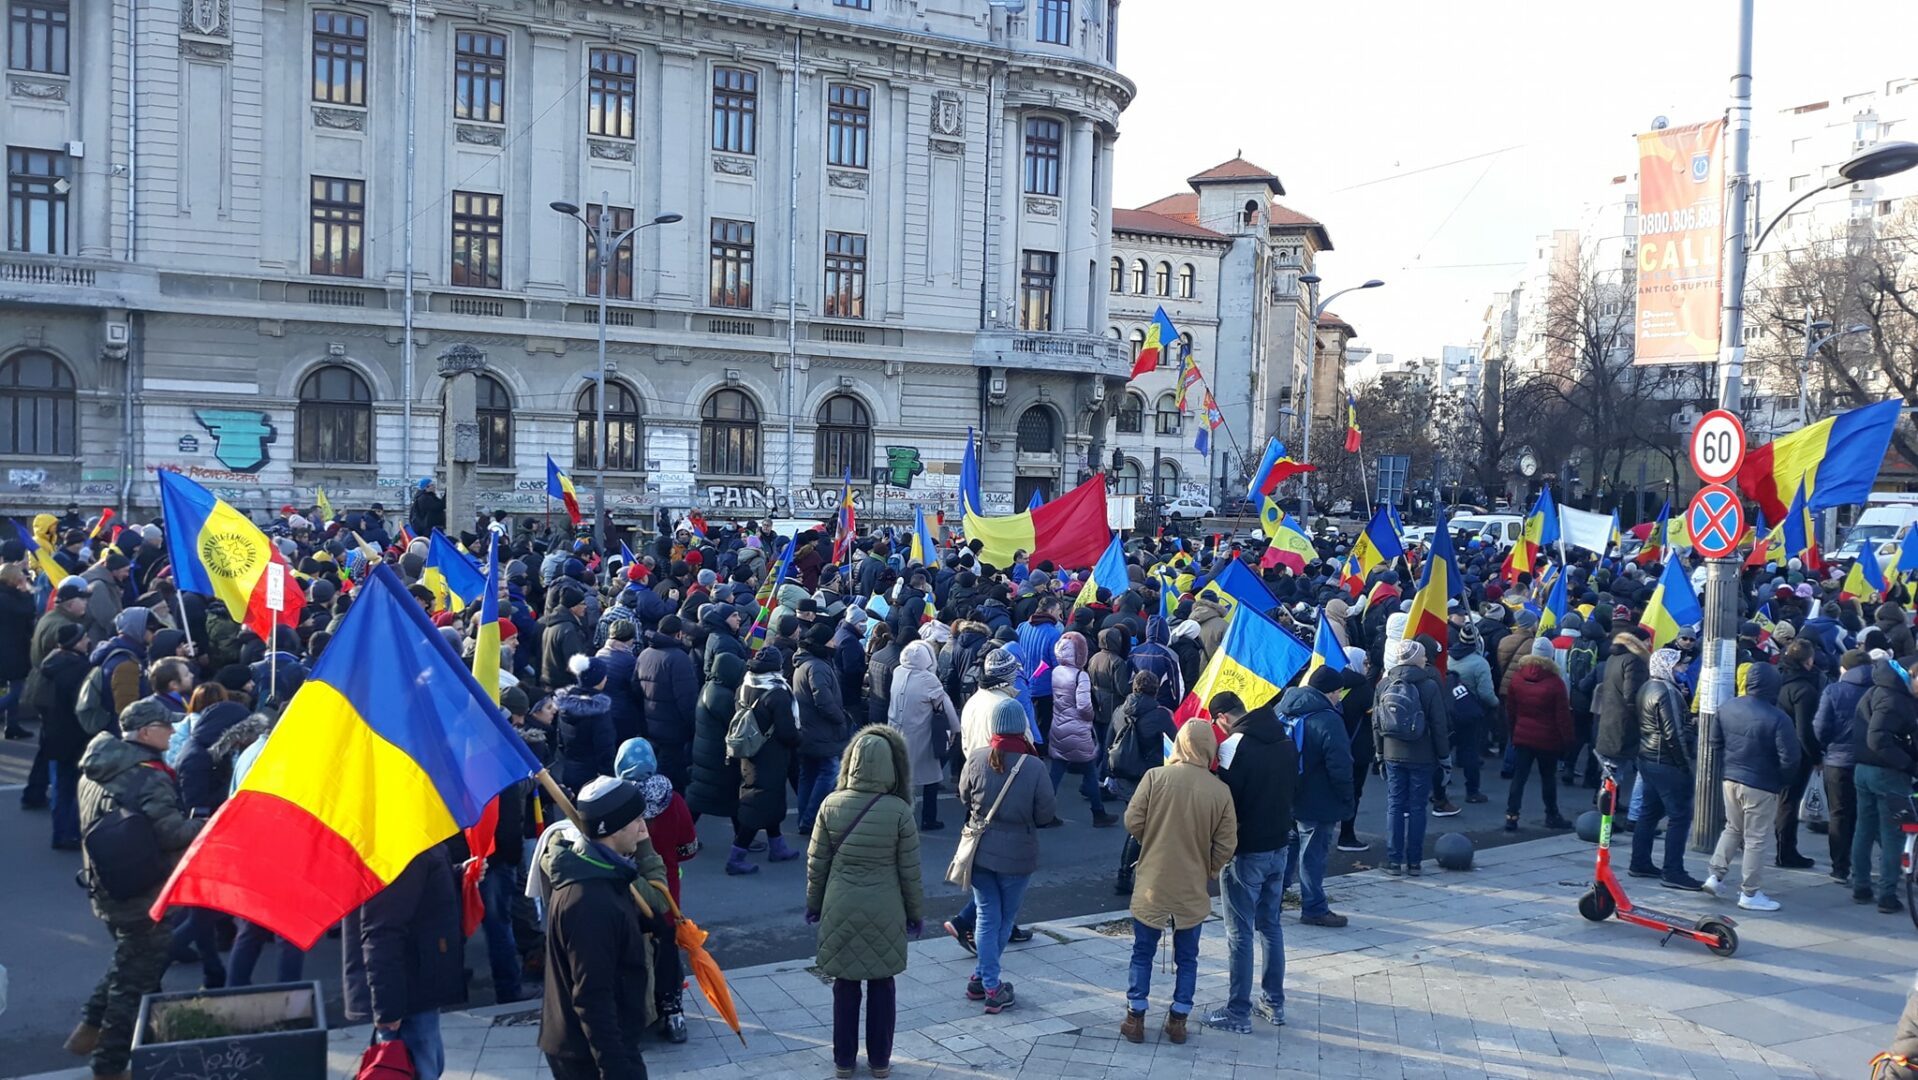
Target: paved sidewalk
[1490,973]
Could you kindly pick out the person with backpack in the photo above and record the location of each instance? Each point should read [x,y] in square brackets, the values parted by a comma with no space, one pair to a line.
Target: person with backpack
[132,831]
[1325,796]
[762,736]
[1581,669]
[1471,700]
[1139,732]
[119,676]
[1412,731]
[1539,713]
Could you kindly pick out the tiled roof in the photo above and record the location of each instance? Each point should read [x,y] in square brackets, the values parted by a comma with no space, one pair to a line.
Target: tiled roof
[1184,206]
[1147,222]
[1238,169]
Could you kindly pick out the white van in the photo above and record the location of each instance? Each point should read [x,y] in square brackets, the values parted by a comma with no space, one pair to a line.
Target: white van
[1887,517]
[1491,528]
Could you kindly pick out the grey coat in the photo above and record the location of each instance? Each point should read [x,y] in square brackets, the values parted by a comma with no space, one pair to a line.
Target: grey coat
[1011,843]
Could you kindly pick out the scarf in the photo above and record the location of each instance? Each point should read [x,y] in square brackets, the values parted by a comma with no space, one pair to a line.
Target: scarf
[1016,743]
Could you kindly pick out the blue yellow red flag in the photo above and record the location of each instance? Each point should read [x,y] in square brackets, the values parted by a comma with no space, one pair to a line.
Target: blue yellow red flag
[1108,573]
[1234,585]
[1673,606]
[1436,585]
[560,486]
[1326,650]
[1256,659]
[217,551]
[1866,580]
[451,574]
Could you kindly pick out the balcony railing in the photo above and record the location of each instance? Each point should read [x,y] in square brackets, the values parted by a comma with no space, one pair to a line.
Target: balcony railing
[1083,353]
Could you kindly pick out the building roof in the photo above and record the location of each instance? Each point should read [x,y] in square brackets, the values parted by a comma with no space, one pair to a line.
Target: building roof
[1184,206]
[1236,170]
[1149,223]
[1331,321]
[1284,217]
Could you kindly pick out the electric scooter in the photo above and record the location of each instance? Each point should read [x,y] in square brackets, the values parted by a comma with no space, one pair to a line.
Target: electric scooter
[1607,898]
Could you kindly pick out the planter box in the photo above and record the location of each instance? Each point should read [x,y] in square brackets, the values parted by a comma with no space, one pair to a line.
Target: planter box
[294,1050]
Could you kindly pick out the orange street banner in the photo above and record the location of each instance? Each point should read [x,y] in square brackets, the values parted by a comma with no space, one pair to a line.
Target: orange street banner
[1681,241]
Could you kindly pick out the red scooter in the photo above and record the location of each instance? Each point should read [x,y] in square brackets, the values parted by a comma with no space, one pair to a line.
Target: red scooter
[1607,898]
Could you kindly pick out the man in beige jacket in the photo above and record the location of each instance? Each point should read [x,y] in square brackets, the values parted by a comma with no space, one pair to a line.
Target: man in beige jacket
[1183,818]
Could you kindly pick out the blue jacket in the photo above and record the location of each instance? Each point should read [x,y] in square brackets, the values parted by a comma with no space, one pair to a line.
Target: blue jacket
[1833,723]
[1325,755]
[1034,646]
[629,708]
[1829,639]
[1754,737]
[1156,657]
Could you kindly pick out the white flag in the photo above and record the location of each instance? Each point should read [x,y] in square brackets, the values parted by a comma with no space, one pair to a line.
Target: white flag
[1585,529]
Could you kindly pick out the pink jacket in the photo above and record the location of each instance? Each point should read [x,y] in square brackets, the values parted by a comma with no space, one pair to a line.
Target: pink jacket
[1072,740]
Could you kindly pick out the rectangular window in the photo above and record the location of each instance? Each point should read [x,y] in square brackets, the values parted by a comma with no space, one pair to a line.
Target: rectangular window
[339,58]
[1039,270]
[732,264]
[477,232]
[735,110]
[1053,22]
[862,5]
[1112,31]
[479,76]
[1043,139]
[845,275]
[848,123]
[37,189]
[619,279]
[37,36]
[612,91]
[338,222]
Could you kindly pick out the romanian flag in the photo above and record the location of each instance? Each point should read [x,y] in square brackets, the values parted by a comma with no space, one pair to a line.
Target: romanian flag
[1188,372]
[1275,468]
[560,486]
[1553,613]
[1656,543]
[924,551]
[1351,424]
[1234,585]
[1378,543]
[1160,335]
[1256,659]
[1108,573]
[483,835]
[1168,596]
[1435,590]
[1866,581]
[1672,607]
[1326,650]
[1070,531]
[842,541]
[1289,546]
[216,551]
[389,748]
[456,582]
[756,638]
[1837,459]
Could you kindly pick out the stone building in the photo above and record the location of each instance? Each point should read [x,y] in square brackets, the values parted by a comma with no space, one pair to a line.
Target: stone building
[893,222]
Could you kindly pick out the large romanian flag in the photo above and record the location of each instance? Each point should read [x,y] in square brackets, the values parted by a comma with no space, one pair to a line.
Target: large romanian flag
[1435,590]
[560,486]
[1234,585]
[1161,340]
[1673,606]
[450,573]
[216,551]
[1275,468]
[1070,531]
[1255,660]
[389,748]
[1289,545]
[1378,543]
[1836,458]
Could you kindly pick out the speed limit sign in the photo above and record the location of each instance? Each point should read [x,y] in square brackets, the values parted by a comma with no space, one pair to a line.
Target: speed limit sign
[1718,446]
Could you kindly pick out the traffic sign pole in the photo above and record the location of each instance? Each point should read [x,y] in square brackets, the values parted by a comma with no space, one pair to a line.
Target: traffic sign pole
[1717,450]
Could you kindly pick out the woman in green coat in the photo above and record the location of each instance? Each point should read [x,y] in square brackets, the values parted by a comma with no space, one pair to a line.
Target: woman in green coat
[863,891]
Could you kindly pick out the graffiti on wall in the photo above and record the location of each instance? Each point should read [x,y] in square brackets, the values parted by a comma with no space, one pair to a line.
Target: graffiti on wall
[240,437]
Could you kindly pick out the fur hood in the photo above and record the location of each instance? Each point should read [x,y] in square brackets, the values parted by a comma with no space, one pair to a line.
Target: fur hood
[877,761]
[240,736]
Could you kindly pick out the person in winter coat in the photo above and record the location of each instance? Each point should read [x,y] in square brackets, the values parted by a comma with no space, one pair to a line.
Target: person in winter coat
[1833,727]
[824,723]
[723,624]
[1891,620]
[1186,646]
[1539,716]
[666,683]
[863,891]
[1804,685]
[1885,747]
[1665,741]
[1139,732]
[1187,829]
[1471,702]
[401,959]
[887,643]
[124,770]
[17,614]
[1153,655]
[1757,744]
[1355,709]
[1211,619]
[848,659]
[62,740]
[923,715]
[1409,762]
[1325,796]
[1111,671]
[1003,787]
[1074,743]
[714,789]
[1615,706]
[587,740]
[562,637]
[763,776]
[1514,647]
[629,713]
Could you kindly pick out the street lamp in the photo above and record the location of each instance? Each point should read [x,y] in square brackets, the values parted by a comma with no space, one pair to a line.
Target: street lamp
[1311,366]
[602,261]
[1813,343]
[1875,163]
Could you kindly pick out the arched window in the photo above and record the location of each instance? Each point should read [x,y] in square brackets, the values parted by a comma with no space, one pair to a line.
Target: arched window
[1250,215]
[1162,280]
[493,407]
[1138,276]
[729,434]
[1167,417]
[1185,343]
[1138,342]
[1166,484]
[843,443]
[1132,414]
[1118,274]
[1188,278]
[1126,480]
[1038,431]
[622,428]
[37,407]
[335,421]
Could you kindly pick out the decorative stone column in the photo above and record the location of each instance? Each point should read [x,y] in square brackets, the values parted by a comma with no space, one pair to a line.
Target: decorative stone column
[460,434]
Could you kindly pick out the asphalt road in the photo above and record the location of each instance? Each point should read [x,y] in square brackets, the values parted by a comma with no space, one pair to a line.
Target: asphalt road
[54,950]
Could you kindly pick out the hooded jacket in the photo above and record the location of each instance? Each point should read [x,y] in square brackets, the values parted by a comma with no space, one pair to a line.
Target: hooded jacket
[720,638]
[1187,829]
[763,777]
[667,685]
[1539,707]
[1072,738]
[1891,621]
[823,720]
[1437,741]
[849,661]
[594,1005]
[1798,697]
[1885,725]
[561,638]
[1615,705]
[922,713]
[1111,671]
[1475,674]
[1835,725]
[1754,738]
[204,776]
[401,951]
[864,882]
[587,741]
[1155,657]
[1325,756]
[1263,777]
[1211,620]
[1189,649]
[117,773]
[713,788]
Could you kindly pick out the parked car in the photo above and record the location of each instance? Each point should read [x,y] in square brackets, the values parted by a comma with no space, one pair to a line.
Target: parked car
[1418,534]
[1239,506]
[1187,508]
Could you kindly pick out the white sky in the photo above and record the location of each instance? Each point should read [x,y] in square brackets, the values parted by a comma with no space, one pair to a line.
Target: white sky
[1340,93]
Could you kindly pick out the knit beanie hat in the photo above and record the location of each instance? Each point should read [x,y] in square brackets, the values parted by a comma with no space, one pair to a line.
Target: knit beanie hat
[234,677]
[588,671]
[1409,652]
[514,701]
[1009,718]
[1000,666]
[69,635]
[608,805]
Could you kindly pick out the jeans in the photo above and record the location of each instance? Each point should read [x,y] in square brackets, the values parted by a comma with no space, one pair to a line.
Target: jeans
[1407,787]
[997,897]
[1185,961]
[1252,886]
[1668,794]
[817,775]
[249,942]
[198,930]
[1306,864]
[497,888]
[1881,794]
[882,1016]
[1522,760]
[1088,781]
[1751,821]
[421,1034]
[66,801]
[1841,806]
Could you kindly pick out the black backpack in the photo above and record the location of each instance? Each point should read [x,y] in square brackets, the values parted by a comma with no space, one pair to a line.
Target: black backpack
[1399,712]
[1125,760]
[123,852]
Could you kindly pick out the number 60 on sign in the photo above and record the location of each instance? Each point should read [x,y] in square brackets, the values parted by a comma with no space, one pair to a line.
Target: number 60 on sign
[1718,446]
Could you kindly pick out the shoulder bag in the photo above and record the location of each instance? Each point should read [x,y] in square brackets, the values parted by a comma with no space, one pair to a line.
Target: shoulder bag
[959,871]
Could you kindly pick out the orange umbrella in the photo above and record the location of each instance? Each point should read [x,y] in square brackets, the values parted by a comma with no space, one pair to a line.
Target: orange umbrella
[712,981]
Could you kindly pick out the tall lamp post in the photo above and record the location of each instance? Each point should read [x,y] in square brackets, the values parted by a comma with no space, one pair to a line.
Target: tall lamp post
[603,252]
[1813,343]
[1311,367]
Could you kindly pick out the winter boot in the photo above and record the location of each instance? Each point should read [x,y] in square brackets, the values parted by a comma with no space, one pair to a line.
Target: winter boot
[672,1020]
[736,863]
[777,851]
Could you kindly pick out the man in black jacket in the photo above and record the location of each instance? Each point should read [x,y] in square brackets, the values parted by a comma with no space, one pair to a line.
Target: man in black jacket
[1804,685]
[562,637]
[1885,740]
[1259,763]
[401,955]
[1665,743]
[667,685]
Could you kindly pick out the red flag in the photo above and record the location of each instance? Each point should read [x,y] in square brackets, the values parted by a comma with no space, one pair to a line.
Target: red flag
[479,841]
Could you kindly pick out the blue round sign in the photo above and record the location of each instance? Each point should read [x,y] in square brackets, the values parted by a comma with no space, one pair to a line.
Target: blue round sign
[1715,519]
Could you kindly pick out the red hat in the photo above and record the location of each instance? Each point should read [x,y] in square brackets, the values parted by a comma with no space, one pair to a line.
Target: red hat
[507,630]
[1493,591]
[694,558]
[287,509]
[636,572]
[443,618]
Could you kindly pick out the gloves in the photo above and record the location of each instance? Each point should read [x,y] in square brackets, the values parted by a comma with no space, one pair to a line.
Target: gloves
[915,927]
[812,918]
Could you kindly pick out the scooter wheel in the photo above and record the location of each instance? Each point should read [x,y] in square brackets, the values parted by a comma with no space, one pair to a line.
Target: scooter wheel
[1597,904]
[1727,937]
